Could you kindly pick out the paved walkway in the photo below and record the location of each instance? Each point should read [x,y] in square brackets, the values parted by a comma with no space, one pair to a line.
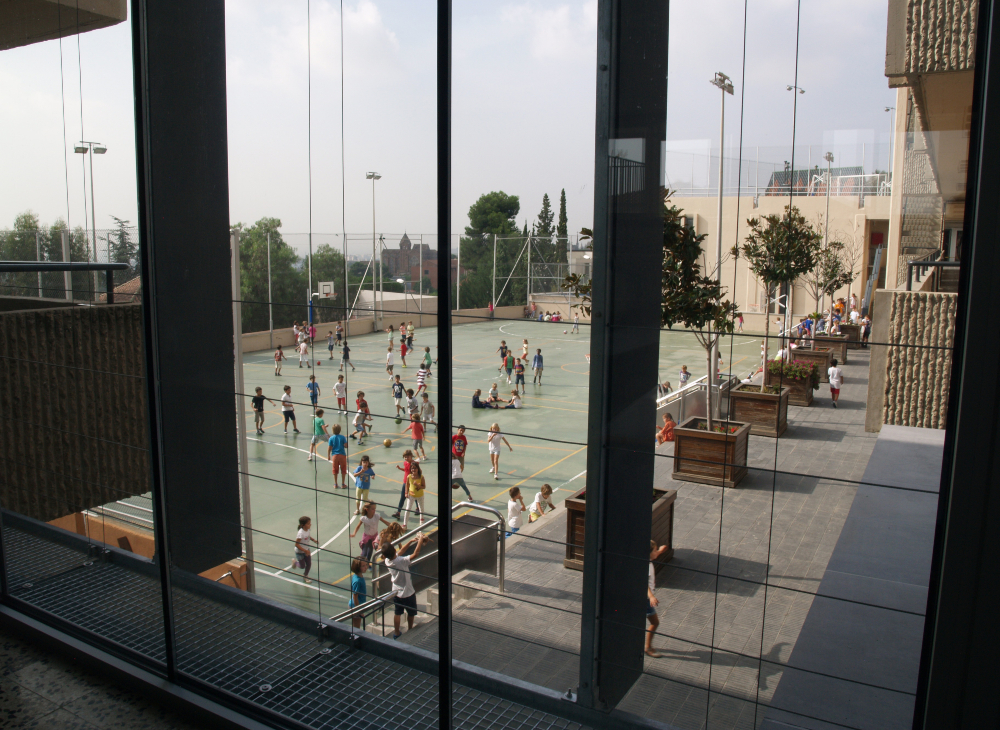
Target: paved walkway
[780,527]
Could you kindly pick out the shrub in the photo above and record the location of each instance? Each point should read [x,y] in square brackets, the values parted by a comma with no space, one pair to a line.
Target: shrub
[795,370]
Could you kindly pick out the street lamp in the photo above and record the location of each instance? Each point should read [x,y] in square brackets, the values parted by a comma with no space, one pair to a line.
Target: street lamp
[722,82]
[94,148]
[373,176]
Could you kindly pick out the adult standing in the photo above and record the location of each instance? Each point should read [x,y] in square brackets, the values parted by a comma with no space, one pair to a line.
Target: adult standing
[405,598]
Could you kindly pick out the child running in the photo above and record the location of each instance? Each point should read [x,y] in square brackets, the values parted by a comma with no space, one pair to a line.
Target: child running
[493,442]
[515,507]
[359,427]
[362,482]
[542,503]
[319,433]
[651,615]
[389,362]
[345,358]
[258,409]
[427,411]
[336,453]
[340,390]
[459,444]
[303,557]
[422,378]
[313,387]
[370,520]
[427,360]
[503,354]
[457,480]
[415,486]
[397,395]
[279,355]
[537,365]
[416,428]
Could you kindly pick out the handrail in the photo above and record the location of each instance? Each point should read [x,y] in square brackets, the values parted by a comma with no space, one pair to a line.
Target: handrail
[670,397]
[375,602]
[924,263]
[10,267]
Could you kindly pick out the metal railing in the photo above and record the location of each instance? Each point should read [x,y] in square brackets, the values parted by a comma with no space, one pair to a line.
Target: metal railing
[690,400]
[925,264]
[370,607]
[40,267]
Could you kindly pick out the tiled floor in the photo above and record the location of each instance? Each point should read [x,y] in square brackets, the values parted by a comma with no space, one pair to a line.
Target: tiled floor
[42,691]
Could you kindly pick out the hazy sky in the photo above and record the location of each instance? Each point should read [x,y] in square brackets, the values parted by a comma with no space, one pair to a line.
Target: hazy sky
[523,106]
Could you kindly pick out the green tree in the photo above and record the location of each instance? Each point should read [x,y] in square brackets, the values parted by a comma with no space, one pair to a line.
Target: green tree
[20,244]
[328,265]
[688,297]
[494,214]
[543,228]
[778,251]
[122,245]
[25,240]
[562,230]
[288,279]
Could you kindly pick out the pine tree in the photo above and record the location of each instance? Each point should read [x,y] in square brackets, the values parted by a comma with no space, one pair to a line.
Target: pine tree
[543,228]
[562,230]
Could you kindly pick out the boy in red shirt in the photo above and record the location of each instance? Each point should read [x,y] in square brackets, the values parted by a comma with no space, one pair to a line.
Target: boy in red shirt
[416,427]
[459,443]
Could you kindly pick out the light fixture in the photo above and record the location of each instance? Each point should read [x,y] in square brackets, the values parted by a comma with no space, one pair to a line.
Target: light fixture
[800,90]
[722,81]
[372,176]
[100,149]
[80,149]
[586,256]
[828,157]
[400,281]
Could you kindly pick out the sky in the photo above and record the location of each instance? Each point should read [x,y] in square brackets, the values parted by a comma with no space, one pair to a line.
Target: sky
[523,107]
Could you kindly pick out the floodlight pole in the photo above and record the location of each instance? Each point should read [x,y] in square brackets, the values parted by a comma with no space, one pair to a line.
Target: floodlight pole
[420,273]
[493,299]
[373,176]
[826,229]
[529,272]
[722,82]
[270,313]
[458,275]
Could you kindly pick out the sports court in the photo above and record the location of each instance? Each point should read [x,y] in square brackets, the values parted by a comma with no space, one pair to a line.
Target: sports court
[547,435]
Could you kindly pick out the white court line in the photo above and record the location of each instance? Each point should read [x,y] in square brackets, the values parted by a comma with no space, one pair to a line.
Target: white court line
[571,480]
[579,340]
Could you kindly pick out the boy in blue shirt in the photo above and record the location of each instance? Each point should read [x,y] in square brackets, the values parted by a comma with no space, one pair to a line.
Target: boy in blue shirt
[536,367]
[313,387]
[362,481]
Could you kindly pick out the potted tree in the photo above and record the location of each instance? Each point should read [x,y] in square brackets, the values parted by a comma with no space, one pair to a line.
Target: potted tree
[705,450]
[778,251]
[764,407]
[798,377]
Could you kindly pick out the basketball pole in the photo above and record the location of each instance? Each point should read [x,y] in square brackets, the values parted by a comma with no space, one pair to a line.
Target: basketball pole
[270,313]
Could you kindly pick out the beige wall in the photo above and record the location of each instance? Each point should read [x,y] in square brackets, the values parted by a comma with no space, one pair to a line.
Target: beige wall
[846,216]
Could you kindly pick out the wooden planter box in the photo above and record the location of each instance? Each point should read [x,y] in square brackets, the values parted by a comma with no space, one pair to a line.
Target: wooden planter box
[819,355]
[800,391]
[767,413]
[853,334]
[576,512]
[709,457]
[837,343]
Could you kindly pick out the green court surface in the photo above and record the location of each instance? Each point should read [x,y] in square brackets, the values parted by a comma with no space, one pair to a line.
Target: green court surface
[285,486]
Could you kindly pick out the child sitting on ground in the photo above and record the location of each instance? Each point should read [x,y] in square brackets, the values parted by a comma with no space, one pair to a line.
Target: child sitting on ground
[495,396]
[477,402]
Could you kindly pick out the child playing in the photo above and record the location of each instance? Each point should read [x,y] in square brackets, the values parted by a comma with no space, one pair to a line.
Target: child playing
[345,358]
[369,520]
[416,427]
[415,486]
[410,329]
[515,506]
[543,502]
[399,571]
[303,558]
[392,336]
[405,468]
[456,478]
[459,444]
[319,433]
[278,357]
[411,402]
[388,361]
[359,589]
[503,354]
[654,620]
[303,353]
[427,360]
[336,453]
[537,367]
[477,402]
[422,378]
[359,427]
[329,342]
[836,377]
[312,333]
[685,376]
[576,324]
[515,400]
[258,409]
[340,332]
[493,442]
[397,395]
[427,411]
[402,352]
[313,387]
[524,349]
[340,390]
[494,397]
[508,365]
[362,481]
[288,409]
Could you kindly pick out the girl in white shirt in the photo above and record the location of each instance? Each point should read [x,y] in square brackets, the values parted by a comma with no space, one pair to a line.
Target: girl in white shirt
[303,557]
[542,503]
[493,442]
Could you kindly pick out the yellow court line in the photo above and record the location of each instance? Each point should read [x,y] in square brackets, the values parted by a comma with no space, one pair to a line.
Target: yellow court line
[575,372]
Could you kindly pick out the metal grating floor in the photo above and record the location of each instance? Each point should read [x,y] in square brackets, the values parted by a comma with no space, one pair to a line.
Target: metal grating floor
[304,678]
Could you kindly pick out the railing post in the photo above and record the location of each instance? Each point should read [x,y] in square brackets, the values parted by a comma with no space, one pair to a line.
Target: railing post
[109,276]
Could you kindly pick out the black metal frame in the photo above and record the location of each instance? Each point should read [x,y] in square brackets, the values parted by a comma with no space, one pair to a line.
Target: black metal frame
[957,679]
[109,269]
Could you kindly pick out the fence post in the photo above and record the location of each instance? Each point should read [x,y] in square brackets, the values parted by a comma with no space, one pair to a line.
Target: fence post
[67,276]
